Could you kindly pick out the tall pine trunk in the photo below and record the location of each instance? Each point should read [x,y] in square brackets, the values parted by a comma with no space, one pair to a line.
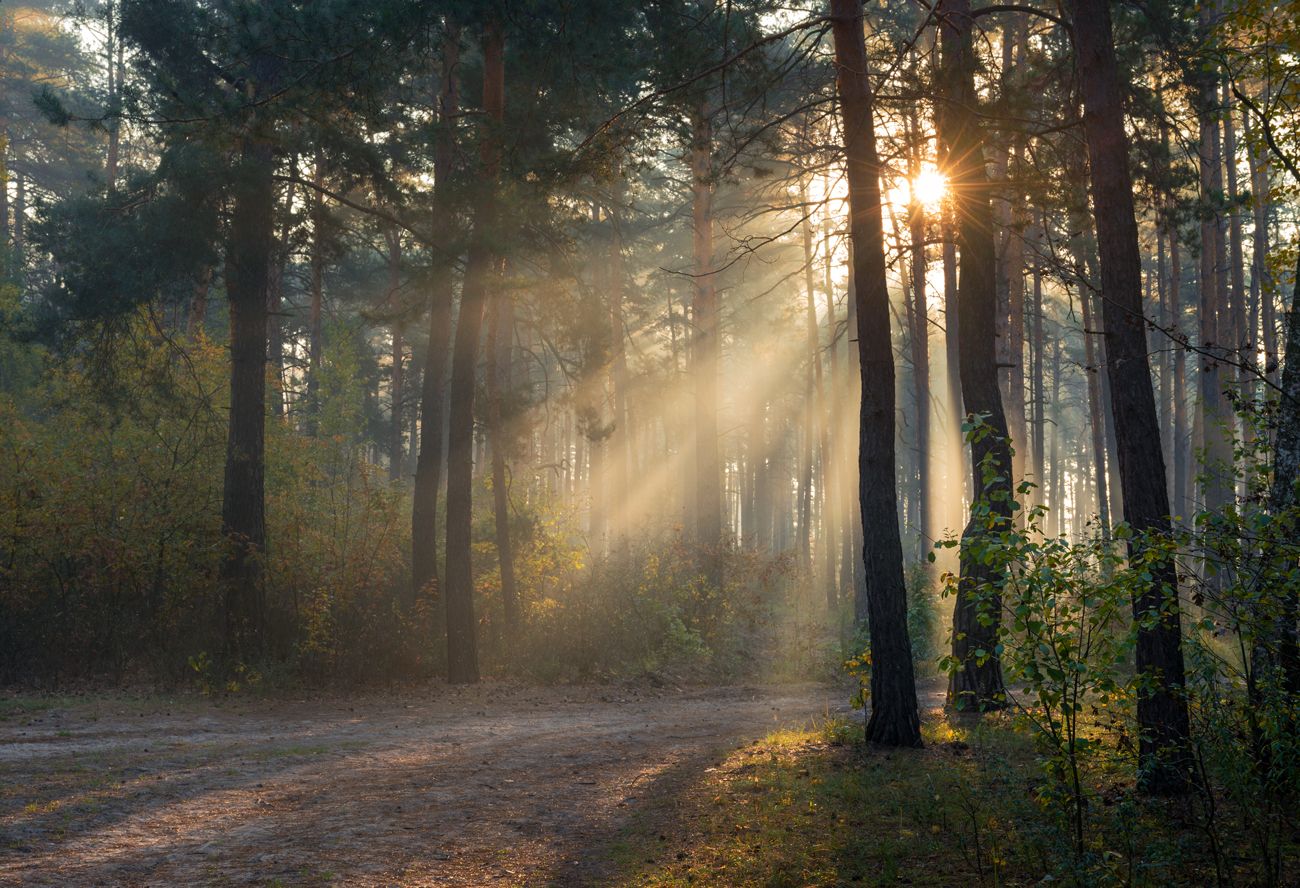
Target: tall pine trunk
[620,439]
[396,416]
[316,285]
[462,639]
[243,501]
[977,682]
[1096,409]
[1162,708]
[1284,496]
[428,466]
[1214,416]
[816,408]
[498,371]
[705,347]
[920,347]
[1037,396]
[1180,505]
[894,718]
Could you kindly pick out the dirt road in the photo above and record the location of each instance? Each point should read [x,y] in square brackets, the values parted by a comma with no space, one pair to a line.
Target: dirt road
[496,785]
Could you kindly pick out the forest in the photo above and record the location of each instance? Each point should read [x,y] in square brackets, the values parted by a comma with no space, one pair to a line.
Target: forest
[660,443]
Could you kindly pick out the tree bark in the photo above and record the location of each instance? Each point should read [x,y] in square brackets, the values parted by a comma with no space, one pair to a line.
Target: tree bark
[977,682]
[1162,708]
[499,350]
[1096,410]
[920,347]
[1037,398]
[894,718]
[816,409]
[428,466]
[462,639]
[619,441]
[1242,341]
[705,311]
[811,386]
[115,69]
[959,477]
[396,421]
[1214,416]
[1284,494]
[1011,260]
[20,221]
[839,542]
[1261,282]
[315,309]
[243,516]
[275,319]
[1183,508]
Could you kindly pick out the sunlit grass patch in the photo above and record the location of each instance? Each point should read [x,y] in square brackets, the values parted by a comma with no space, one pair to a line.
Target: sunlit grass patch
[809,808]
[805,808]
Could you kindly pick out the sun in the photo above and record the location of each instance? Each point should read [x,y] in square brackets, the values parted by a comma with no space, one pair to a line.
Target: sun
[929,188]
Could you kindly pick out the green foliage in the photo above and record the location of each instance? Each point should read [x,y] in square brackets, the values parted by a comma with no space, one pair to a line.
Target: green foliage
[1066,642]
[109,515]
[816,808]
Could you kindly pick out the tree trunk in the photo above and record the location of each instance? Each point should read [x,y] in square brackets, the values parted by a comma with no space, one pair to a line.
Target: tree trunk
[20,221]
[1176,362]
[275,320]
[1009,216]
[115,68]
[428,466]
[1214,416]
[853,448]
[1243,337]
[1261,282]
[1162,708]
[959,477]
[1037,398]
[462,640]
[243,517]
[839,571]
[1096,410]
[920,343]
[1160,345]
[396,421]
[499,349]
[619,441]
[4,180]
[816,410]
[977,683]
[894,719]
[1284,495]
[1180,505]
[706,344]
[1057,468]
[315,310]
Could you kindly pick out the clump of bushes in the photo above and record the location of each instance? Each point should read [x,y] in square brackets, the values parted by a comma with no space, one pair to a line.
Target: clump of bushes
[110,490]
[111,468]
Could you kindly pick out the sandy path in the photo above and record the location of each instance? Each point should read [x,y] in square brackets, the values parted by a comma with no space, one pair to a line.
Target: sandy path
[491,786]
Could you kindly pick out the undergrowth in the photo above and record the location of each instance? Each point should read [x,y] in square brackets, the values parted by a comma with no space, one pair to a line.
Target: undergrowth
[815,807]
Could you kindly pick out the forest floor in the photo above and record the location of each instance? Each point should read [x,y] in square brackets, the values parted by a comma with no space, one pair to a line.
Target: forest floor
[492,785]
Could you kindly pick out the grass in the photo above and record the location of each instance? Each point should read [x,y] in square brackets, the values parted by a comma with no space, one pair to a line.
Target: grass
[816,808]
